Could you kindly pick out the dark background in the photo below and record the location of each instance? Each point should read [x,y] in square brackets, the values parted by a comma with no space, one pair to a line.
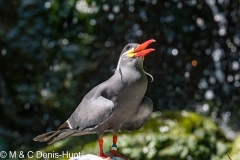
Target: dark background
[53,52]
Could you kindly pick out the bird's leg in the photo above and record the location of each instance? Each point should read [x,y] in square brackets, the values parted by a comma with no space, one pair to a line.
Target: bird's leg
[114,146]
[100,142]
[113,151]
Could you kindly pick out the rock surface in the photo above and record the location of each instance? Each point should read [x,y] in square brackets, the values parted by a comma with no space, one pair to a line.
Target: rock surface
[93,157]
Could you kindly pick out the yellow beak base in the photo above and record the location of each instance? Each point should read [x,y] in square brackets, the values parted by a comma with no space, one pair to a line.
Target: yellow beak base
[131,53]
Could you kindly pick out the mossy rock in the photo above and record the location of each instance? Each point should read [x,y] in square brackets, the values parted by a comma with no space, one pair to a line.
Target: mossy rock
[168,135]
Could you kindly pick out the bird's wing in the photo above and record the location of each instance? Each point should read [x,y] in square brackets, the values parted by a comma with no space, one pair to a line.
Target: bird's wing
[90,113]
[141,117]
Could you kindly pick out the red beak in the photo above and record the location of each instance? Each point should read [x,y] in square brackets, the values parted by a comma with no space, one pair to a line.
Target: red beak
[141,50]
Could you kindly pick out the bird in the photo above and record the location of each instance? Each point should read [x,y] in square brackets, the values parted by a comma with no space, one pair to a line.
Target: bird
[117,104]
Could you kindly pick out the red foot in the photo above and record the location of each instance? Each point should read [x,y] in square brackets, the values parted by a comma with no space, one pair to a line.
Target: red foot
[114,153]
[103,156]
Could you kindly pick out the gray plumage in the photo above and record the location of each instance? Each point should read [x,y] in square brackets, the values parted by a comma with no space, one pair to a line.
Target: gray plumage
[116,104]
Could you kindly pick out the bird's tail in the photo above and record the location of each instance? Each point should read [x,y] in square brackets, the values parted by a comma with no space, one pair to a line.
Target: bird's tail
[53,136]
[63,131]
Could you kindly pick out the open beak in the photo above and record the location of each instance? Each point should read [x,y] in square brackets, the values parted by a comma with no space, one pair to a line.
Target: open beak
[141,51]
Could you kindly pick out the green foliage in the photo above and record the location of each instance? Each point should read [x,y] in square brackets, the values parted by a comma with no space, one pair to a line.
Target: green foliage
[178,135]
[234,153]
[167,135]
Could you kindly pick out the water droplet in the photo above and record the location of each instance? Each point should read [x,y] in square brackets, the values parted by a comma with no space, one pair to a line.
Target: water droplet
[45,92]
[236,40]
[236,84]
[235,65]
[209,95]
[56,67]
[222,31]
[47,5]
[177,89]
[65,24]
[26,106]
[69,74]
[220,76]
[111,16]
[57,122]
[200,22]
[45,117]
[106,7]
[208,51]
[179,5]
[51,44]
[107,44]
[228,114]
[217,54]
[64,41]
[74,20]
[116,9]
[205,107]
[192,2]
[144,19]
[131,8]
[139,33]
[136,26]
[92,22]
[236,77]
[45,42]
[4,52]
[187,74]
[174,52]
[212,80]
[203,84]
[234,49]
[217,18]
[154,2]
[130,1]
[230,78]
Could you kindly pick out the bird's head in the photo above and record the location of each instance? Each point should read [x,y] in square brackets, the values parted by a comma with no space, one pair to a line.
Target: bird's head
[133,55]
[134,50]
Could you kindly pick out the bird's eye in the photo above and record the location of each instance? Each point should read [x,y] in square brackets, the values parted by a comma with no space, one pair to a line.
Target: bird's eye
[128,47]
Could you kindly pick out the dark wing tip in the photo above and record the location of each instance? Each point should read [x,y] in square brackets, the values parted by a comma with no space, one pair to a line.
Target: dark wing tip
[65,125]
[43,137]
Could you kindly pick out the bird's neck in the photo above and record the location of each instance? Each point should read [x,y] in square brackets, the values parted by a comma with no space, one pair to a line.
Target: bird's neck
[131,68]
[130,74]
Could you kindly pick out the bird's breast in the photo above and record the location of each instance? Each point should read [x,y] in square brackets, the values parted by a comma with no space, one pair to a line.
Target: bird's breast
[128,94]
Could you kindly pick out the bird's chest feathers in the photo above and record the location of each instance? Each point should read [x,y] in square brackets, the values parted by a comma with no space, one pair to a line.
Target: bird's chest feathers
[132,85]
[132,77]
